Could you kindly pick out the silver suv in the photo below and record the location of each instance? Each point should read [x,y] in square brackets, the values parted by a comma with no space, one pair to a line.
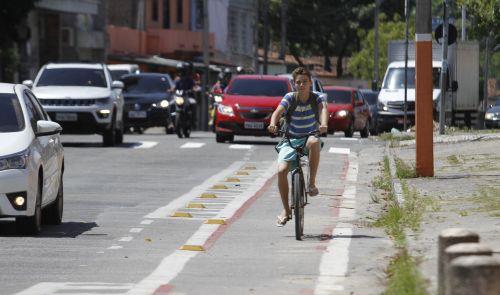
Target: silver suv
[82,98]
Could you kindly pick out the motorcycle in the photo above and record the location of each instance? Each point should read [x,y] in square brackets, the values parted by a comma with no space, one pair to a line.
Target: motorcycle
[183,113]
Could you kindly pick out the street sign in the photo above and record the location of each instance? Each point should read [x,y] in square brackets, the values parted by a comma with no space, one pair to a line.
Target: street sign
[452,34]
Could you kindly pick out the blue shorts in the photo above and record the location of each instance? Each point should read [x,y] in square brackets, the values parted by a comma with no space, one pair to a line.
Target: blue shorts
[287,154]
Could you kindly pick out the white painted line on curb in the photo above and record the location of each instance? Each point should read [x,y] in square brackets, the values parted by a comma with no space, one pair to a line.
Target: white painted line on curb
[334,150]
[192,145]
[349,138]
[147,221]
[241,146]
[145,144]
[135,230]
[126,239]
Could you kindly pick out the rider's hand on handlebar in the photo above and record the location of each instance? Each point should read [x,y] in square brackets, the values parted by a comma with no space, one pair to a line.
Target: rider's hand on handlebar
[323,129]
[272,129]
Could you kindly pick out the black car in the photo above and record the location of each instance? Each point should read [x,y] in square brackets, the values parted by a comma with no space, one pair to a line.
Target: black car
[492,116]
[147,98]
[372,98]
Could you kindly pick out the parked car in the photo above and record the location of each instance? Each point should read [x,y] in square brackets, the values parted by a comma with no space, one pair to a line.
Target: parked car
[119,70]
[492,116]
[31,161]
[147,100]
[371,97]
[349,112]
[247,105]
[82,98]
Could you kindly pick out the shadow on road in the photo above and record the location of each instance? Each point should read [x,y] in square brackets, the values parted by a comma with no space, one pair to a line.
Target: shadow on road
[325,237]
[69,229]
[126,145]
[261,142]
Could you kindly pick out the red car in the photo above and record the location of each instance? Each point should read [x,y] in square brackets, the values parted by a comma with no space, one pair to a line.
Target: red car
[349,112]
[247,105]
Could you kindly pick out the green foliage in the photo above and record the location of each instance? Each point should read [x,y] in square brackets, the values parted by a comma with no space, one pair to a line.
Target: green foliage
[403,169]
[404,277]
[485,16]
[361,63]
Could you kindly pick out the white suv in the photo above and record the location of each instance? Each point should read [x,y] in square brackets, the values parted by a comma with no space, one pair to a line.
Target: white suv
[82,98]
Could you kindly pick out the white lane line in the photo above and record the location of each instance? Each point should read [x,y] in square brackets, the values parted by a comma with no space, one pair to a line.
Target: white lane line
[334,150]
[126,239]
[136,230]
[192,145]
[173,264]
[115,247]
[165,211]
[349,138]
[147,221]
[145,144]
[334,262]
[241,146]
[76,288]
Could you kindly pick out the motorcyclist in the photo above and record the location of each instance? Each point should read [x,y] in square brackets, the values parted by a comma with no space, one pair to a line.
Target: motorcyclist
[186,83]
[224,79]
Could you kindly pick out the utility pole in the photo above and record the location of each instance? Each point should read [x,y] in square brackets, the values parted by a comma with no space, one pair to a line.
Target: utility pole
[444,69]
[375,51]
[206,61]
[284,9]
[423,90]
[464,18]
[407,24]
[266,34]
[485,84]
[256,38]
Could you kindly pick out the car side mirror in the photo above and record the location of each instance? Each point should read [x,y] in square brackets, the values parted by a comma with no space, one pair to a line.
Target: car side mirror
[454,86]
[28,83]
[45,128]
[117,85]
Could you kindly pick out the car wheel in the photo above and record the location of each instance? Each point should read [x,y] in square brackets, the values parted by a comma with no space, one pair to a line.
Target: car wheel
[365,131]
[187,132]
[169,127]
[230,138]
[33,224]
[374,129]
[109,136]
[54,213]
[119,135]
[350,130]
[220,138]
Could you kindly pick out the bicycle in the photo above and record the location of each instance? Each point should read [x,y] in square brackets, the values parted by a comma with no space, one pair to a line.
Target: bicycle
[299,190]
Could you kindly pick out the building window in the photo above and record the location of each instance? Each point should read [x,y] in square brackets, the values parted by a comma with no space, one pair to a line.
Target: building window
[166,14]
[67,38]
[154,11]
[179,11]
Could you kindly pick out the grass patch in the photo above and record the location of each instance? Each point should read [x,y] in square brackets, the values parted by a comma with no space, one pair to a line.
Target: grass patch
[453,160]
[404,170]
[489,201]
[394,139]
[404,277]
[383,181]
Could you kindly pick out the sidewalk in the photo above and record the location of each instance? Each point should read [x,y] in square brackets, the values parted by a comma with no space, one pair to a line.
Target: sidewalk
[465,192]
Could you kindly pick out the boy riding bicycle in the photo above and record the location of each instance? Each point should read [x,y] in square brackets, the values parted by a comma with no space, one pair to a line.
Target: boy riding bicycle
[306,112]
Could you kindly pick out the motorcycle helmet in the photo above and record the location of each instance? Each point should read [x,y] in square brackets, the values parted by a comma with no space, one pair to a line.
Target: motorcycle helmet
[227,74]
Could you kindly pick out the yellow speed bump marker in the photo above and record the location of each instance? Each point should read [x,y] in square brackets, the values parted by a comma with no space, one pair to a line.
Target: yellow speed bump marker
[250,168]
[192,248]
[219,186]
[208,196]
[196,206]
[241,173]
[215,221]
[182,214]
[232,179]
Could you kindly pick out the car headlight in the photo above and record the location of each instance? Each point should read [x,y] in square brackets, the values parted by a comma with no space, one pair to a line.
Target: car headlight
[225,110]
[342,113]
[164,104]
[489,116]
[382,106]
[17,161]
[217,98]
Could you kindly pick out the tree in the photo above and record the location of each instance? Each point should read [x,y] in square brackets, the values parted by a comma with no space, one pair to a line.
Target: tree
[12,13]
[361,63]
[485,17]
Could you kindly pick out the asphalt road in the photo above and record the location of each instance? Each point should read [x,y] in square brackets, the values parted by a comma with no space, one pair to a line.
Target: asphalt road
[118,235]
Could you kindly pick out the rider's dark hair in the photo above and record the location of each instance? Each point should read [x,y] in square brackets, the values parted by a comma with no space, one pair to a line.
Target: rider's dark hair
[301,71]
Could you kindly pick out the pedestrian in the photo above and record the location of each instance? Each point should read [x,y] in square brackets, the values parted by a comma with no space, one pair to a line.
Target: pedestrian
[307,112]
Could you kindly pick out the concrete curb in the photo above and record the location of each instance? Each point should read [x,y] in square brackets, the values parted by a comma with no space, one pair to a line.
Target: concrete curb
[455,138]
[397,189]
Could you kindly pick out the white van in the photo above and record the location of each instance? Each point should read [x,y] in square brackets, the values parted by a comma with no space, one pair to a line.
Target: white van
[118,70]
[392,93]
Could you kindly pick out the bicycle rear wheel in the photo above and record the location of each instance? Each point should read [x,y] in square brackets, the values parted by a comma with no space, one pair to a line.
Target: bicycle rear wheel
[298,205]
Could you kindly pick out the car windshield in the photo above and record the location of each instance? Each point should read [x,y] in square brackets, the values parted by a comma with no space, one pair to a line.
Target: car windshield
[258,87]
[339,96]
[117,74]
[72,77]
[371,97]
[146,84]
[396,78]
[11,115]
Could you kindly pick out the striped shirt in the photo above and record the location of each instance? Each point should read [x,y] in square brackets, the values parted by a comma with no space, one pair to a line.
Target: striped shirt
[302,120]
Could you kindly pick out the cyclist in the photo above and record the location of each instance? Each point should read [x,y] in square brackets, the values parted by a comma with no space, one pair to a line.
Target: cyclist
[305,117]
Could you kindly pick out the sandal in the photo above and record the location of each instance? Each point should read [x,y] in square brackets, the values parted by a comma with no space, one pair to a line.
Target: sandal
[313,191]
[282,220]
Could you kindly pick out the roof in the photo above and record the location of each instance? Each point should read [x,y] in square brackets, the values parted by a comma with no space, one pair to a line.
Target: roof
[339,88]
[73,65]
[122,66]
[411,64]
[262,77]
[7,88]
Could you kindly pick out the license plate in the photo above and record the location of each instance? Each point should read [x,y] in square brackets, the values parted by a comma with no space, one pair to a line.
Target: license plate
[254,125]
[137,114]
[66,117]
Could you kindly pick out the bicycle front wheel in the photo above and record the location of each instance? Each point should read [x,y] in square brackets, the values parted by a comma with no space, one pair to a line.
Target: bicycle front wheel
[298,205]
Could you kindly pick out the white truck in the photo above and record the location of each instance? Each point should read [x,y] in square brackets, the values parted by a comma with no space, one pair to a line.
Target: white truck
[463,74]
